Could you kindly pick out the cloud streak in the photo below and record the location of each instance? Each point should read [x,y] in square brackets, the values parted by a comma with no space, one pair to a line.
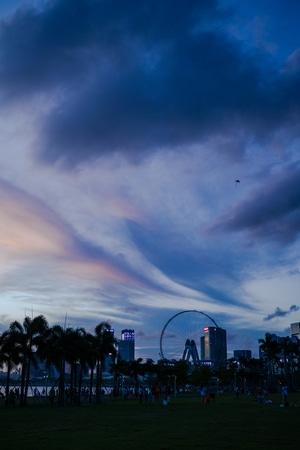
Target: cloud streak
[37,232]
[123,127]
[281,313]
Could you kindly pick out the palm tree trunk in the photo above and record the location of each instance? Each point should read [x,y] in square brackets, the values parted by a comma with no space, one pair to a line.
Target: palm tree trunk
[27,378]
[61,388]
[23,376]
[7,385]
[74,390]
[79,387]
[91,386]
[100,383]
[98,398]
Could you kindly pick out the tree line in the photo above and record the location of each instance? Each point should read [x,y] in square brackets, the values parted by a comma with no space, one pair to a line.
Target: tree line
[24,344]
[281,357]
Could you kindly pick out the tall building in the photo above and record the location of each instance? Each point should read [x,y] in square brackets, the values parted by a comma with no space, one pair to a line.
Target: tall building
[126,345]
[109,359]
[214,345]
[295,330]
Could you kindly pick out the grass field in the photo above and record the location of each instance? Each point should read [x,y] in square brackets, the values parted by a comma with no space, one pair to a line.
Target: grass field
[184,424]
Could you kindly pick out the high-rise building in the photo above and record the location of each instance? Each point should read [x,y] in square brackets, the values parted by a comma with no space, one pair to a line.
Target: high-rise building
[214,345]
[126,345]
[109,359]
[295,330]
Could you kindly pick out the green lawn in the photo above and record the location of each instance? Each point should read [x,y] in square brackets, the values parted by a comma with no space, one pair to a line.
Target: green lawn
[184,424]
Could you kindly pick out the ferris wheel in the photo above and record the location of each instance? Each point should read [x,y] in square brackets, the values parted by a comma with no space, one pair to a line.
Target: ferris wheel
[182,333]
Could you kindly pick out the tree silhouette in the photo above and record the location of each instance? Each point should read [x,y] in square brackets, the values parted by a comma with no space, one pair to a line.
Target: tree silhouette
[10,356]
[29,336]
[104,345]
[270,348]
[54,351]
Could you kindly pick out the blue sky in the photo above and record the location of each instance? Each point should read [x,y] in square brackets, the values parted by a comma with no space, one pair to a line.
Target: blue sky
[123,127]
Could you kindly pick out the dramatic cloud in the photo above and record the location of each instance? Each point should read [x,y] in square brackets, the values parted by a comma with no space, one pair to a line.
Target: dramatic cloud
[271,211]
[131,77]
[280,313]
[123,127]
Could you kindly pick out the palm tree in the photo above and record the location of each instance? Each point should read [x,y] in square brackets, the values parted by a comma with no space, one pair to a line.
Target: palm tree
[86,357]
[181,368]
[29,336]
[104,346]
[136,369]
[270,347]
[74,343]
[201,374]
[150,369]
[79,354]
[92,358]
[10,356]
[256,367]
[54,351]
[164,370]
[119,369]
[289,349]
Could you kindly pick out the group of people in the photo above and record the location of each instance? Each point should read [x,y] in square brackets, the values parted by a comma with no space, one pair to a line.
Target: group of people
[13,395]
[208,395]
[259,394]
[154,394]
[142,393]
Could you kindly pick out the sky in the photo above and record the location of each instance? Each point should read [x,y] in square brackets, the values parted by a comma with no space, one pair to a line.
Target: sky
[123,127]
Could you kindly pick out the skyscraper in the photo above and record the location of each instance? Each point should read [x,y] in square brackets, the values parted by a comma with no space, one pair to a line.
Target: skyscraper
[214,345]
[126,345]
[109,358]
[295,330]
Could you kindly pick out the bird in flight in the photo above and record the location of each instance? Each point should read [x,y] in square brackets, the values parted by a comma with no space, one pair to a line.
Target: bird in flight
[237,182]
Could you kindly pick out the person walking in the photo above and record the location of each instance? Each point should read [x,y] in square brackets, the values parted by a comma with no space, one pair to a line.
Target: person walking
[284,391]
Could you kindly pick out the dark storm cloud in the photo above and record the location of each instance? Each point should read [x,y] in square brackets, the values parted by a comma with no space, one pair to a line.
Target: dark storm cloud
[63,40]
[271,211]
[131,76]
[280,313]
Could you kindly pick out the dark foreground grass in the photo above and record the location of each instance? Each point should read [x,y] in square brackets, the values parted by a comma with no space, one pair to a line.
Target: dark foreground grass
[184,424]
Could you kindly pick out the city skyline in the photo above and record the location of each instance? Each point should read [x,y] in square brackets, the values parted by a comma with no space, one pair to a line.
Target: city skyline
[149,164]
